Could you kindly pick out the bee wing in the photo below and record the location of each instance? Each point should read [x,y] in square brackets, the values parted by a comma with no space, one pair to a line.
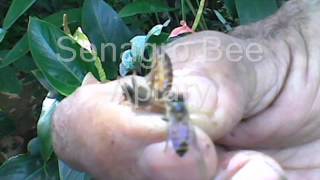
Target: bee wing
[160,77]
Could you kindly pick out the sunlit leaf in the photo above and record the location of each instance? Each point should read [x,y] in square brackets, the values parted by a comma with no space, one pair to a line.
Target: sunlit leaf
[83,40]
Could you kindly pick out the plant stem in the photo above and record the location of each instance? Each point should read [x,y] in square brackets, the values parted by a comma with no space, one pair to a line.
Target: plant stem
[183,12]
[199,15]
[191,7]
[203,21]
[66,28]
[157,17]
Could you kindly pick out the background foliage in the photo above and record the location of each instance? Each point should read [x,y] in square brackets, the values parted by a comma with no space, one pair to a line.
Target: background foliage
[31,72]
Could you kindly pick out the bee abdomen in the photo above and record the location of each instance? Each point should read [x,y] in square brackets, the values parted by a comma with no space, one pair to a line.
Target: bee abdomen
[181,151]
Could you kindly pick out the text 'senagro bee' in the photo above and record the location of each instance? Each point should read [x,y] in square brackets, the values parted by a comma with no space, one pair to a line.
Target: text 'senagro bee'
[158,92]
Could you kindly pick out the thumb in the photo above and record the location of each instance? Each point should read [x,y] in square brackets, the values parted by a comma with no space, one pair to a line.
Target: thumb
[160,161]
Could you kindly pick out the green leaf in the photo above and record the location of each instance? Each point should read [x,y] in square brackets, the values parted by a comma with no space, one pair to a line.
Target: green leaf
[44,81]
[18,51]
[34,146]
[231,7]
[2,34]
[160,39]
[74,16]
[17,8]
[28,167]
[82,39]
[7,125]
[67,173]
[104,27]
[84,42]
[61,64]
[144,7]
[9,83]
[251,11]
[25,64]
[44,127]
[22,47]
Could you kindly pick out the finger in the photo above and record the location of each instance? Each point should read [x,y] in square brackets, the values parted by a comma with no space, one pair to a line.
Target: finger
[248,165]
[199,163]
[94,132]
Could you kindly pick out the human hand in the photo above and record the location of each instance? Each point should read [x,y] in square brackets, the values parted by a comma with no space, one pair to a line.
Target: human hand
[266,103]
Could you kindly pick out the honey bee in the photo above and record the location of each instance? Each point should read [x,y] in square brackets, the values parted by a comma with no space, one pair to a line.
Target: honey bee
[180,132]
[158,92]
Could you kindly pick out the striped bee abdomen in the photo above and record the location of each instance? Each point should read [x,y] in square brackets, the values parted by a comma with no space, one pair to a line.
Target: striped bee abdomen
[180,137]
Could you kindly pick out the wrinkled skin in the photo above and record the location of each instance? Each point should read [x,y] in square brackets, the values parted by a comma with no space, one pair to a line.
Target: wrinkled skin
[257,120]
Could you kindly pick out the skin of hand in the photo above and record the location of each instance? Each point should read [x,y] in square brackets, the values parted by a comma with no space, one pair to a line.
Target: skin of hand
[255,93]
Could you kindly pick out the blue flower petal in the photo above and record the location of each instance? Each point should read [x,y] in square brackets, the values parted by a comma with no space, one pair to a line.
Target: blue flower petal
[123,70]
[138,44]
[127,60]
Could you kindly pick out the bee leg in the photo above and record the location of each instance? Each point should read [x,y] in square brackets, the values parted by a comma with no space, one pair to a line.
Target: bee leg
[135,87]
[131,92]
[127,91]
[139,92]
[134,81]
[168,134]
